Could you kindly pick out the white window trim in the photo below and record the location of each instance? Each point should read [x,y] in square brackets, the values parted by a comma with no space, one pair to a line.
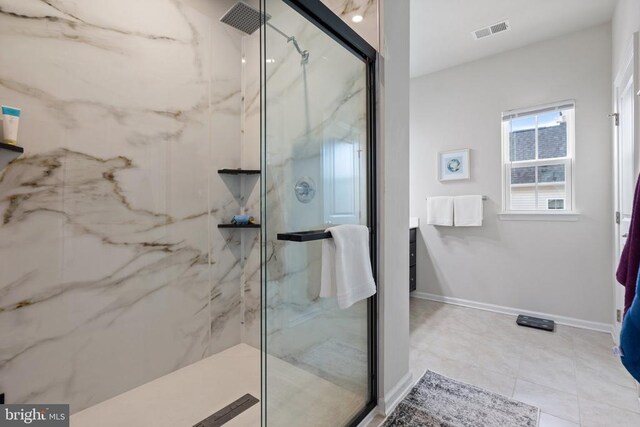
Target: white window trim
[539,216]
[569,214]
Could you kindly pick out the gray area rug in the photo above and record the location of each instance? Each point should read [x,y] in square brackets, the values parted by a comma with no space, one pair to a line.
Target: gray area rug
[438,401]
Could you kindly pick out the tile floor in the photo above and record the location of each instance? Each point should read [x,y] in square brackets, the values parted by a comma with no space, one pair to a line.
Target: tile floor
[571,375]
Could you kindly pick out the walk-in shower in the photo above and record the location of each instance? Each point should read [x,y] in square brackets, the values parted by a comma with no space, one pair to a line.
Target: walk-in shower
[134,287]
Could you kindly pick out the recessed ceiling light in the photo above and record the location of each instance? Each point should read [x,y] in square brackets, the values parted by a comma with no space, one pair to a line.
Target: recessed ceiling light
[357,18]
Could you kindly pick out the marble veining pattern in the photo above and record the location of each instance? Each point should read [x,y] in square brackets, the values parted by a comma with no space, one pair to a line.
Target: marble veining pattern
[368,9]
[308,107]
[113,270]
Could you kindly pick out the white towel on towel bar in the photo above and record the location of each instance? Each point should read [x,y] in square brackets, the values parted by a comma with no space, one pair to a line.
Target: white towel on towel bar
[346,266]
[467,211]
[440,211]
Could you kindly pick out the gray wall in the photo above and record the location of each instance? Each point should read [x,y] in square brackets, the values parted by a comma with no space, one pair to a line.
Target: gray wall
[626,21]
[560,268]
[393,190]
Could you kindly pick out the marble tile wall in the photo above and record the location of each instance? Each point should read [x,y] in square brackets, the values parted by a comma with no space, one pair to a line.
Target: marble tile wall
[251,159]
[112,269]
[307,106]
[367,9]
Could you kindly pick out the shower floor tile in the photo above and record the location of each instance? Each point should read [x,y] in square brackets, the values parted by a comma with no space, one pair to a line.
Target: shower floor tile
[191,394]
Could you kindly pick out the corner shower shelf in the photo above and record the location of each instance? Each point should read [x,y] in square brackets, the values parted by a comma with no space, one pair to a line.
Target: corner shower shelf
[238,225]
[239,171]
[9,152]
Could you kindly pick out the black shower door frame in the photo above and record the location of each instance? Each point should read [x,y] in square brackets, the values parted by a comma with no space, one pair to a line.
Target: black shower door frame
[323,18]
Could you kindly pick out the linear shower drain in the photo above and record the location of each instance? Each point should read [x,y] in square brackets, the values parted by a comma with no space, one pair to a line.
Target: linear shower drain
[229,412]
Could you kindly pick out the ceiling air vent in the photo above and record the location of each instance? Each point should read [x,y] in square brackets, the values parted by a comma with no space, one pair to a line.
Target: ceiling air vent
[491,30]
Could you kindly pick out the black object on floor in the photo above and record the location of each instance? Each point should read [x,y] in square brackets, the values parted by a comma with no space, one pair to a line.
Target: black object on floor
[229,412]
[536,322]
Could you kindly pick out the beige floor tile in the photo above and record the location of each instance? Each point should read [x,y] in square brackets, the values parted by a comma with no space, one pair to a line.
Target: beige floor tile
[491,352]
[613,373]
[421,361]
[424,337]
[548,420]
[485,379]
[493,357]
[557,341]
[597,414]
[593,387]
[470,321]
[592,343]
[473,345]
[548,368]
[551,401]
[495,381]
[606,369]
[430,308]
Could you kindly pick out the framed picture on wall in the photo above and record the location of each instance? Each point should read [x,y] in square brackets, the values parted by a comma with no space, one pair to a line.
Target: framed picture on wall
[453,165]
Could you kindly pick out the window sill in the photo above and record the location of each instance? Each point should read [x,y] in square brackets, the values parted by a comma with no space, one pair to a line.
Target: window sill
[539,216]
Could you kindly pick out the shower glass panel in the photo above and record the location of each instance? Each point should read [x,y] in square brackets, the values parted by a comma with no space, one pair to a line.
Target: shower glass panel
[316,370]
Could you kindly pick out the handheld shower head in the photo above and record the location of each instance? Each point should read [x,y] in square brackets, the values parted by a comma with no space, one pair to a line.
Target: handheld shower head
[303,53]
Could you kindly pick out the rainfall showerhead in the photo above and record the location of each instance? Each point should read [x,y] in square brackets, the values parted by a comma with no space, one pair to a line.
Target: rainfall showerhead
[247,19]
[244,18]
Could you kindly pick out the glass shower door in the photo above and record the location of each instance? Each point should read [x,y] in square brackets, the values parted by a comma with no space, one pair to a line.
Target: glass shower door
[318,359]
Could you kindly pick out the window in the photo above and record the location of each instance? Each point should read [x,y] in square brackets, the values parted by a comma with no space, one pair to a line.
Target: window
[537,145]
[341,179]
[555,204]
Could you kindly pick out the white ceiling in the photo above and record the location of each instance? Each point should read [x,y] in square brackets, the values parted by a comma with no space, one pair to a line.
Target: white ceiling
[441,29]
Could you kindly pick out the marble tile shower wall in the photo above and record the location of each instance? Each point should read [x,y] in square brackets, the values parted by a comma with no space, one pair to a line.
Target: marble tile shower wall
[113,272]
[367,9]
[301,102]
[292,152]
[251,159]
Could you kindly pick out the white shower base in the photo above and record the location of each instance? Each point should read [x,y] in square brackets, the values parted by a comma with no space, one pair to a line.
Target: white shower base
[193,393]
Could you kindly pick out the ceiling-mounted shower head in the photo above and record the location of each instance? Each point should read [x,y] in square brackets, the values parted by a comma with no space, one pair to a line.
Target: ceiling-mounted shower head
[244,18]
[247,19]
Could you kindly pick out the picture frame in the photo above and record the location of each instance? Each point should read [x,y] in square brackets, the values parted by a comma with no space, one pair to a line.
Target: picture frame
[454,165]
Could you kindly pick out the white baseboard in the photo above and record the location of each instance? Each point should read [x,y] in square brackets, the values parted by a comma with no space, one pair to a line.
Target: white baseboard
[562,320]
[388,403]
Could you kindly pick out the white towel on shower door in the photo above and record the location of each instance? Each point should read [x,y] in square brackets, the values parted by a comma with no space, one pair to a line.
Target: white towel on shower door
[440,211]
[346,266]
[467,211]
